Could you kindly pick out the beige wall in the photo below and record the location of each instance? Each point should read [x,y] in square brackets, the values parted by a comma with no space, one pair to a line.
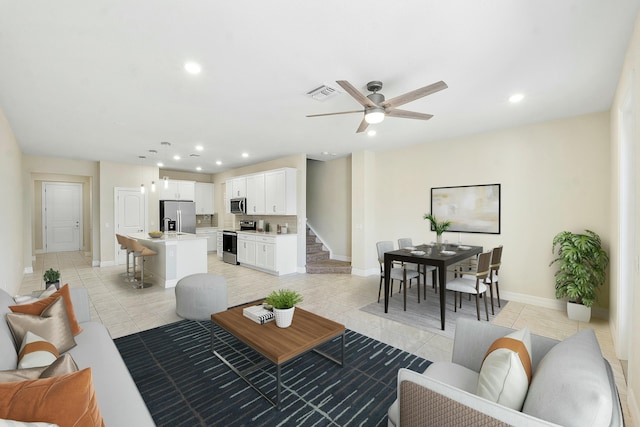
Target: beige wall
[185,176]
[625,299]
[364,258]
[38,169]
[114,175]
[299,162]
[12,260]
[329,204]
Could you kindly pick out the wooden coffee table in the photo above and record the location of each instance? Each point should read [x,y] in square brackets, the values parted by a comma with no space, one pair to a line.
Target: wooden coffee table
[278,345]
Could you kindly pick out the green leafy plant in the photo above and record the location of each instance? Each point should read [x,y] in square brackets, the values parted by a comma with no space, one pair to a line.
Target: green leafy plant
[51,275]
[582,265]
[439,226]
[283,298]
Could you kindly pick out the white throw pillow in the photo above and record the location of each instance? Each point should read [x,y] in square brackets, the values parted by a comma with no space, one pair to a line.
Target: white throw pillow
[35,351]
[12,423]
[505,373]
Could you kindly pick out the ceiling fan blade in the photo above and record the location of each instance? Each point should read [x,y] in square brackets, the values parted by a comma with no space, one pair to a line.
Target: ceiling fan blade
[414,94]
[356,94]
[333,114]
[408,114]
[363,126]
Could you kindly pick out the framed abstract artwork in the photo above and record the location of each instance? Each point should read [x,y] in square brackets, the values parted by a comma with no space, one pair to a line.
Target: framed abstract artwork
[470,208]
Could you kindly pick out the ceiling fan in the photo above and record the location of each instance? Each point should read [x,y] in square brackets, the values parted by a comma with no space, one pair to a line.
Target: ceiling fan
[376,108]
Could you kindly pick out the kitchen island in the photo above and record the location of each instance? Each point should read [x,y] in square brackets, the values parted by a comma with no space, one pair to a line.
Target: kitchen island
[179,255]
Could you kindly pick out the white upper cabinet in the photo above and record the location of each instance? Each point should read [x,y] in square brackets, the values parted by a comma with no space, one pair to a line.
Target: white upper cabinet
[239,187]
[204,198]
[280,192]
[177,190]
[255,194]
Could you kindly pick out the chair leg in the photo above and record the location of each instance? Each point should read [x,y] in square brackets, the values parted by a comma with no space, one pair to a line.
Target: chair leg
[418,287]
[493,313]
[486,310]
[478,305]
[455,301]
[404,285]
[380,289]
[498,293]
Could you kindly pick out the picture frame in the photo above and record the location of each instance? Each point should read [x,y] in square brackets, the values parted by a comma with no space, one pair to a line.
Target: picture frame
[470,208]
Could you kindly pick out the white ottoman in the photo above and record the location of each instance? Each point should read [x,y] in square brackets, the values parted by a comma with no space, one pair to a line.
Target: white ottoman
[200,295]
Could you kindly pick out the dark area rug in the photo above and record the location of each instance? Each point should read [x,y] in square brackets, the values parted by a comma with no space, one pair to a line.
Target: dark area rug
[184,384]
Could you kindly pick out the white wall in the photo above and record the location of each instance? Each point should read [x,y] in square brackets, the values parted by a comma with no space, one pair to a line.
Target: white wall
[12,260]
[329,204]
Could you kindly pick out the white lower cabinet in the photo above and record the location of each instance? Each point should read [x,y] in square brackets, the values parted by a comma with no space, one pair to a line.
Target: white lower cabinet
[275,254]
[212,237]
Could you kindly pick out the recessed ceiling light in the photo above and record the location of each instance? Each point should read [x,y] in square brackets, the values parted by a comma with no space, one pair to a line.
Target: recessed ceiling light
[198,168]
[517,97]
[160,164]
[218,162]
[245,155]
[176,157]
[192,67]
[325,153]
[372,133]
[199,148]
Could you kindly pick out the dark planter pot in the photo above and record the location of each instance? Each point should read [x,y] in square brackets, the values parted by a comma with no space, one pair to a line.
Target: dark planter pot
[56,283]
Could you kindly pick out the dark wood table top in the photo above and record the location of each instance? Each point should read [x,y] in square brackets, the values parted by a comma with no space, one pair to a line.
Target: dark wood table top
[435,255]
[279,345]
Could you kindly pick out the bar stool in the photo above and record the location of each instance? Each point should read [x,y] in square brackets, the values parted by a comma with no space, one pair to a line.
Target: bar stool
[128,275]
[140,251]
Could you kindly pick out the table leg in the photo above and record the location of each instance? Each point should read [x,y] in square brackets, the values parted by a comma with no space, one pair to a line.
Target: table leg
[278,404]
[387,277]
[442,283]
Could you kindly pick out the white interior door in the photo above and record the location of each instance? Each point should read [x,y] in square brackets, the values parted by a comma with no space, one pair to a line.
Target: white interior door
[131,216]
[62,216]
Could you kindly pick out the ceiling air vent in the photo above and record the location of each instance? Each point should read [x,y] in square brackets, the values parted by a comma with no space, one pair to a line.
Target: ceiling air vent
[323,92]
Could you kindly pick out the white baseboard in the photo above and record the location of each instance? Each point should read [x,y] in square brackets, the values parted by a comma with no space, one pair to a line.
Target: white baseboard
[28,270]
[95,263]
[632,404]
[340,257]
[560,305]
[365,273]
[107,263]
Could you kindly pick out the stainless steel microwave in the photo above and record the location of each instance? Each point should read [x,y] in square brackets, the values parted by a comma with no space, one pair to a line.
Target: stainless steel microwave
[239,205]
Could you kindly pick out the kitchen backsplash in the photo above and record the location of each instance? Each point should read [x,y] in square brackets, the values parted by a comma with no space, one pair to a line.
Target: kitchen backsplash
[207,220]
[290,220]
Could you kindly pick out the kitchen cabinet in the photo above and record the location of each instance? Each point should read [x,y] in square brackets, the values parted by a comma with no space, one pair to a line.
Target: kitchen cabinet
[246,249]
[266,252]
[204,198]
[177,190]
[271,253]
[211,233]
[238,187]
[255,194]
[280,192]
[220,244]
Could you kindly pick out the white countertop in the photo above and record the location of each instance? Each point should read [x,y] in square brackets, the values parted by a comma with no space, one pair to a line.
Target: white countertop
[166,237]
[264,233]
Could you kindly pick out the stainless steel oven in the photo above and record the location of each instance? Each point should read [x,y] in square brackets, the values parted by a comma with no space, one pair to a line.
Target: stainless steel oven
[230,242]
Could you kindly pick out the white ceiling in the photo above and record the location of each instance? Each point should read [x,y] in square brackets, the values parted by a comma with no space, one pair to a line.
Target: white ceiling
[104,79]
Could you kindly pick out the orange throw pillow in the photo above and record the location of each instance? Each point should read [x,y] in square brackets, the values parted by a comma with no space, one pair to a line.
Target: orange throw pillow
[36,308]
[66,400]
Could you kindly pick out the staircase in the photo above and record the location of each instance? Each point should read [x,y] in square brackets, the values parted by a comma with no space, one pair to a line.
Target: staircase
[318,261]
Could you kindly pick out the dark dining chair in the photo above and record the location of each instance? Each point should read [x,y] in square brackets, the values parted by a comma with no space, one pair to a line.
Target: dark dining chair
[396,273]
[473,285]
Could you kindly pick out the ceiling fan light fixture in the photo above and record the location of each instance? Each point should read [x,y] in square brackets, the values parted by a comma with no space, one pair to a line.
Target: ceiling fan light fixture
[374,115]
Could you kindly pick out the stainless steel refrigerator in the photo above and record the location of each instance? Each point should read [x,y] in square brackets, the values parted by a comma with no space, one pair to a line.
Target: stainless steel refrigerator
[178,216]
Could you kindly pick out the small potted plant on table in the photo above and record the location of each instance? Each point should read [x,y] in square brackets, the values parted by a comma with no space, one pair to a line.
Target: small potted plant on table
[283,302]
[438,226]
[582,270]
[52,277]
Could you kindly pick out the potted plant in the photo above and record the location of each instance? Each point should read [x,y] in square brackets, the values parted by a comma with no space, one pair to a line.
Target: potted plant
[52,277]
[283,302]
[582,265]
[438,226]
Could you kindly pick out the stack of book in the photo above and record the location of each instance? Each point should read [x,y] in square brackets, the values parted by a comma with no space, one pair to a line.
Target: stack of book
[258,314]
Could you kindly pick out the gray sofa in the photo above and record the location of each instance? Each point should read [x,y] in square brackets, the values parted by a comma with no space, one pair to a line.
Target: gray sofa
[118,398]
[572,385]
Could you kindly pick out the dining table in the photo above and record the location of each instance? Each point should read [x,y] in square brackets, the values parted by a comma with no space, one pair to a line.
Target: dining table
[440,256]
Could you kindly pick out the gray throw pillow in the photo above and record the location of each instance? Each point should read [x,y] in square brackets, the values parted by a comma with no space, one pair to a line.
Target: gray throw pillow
[52,325]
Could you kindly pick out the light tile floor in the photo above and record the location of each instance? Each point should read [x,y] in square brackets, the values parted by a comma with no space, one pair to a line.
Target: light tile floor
[124,310]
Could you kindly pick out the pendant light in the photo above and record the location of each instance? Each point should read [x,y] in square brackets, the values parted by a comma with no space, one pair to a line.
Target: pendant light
[141,173]
[153,181]
[165,179]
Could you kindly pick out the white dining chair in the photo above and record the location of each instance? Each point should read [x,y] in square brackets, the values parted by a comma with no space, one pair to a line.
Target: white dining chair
[473,284]
[492,278]
[406,242]
[396,273]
